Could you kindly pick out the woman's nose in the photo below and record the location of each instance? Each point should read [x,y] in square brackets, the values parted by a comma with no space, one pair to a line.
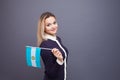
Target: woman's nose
[53,25]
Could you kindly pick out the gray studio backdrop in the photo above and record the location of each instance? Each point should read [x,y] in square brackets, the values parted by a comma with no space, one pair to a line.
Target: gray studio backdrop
[90,29]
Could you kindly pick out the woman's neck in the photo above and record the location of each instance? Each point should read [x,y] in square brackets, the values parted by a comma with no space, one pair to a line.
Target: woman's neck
[48,36]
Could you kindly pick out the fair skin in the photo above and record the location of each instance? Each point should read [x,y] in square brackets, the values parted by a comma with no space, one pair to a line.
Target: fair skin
[51,27]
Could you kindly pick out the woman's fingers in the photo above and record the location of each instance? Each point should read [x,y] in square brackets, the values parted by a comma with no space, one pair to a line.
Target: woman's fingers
[56,53]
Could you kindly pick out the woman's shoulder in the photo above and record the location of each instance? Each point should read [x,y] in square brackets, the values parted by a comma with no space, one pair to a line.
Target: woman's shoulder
[48,43]
[44,43]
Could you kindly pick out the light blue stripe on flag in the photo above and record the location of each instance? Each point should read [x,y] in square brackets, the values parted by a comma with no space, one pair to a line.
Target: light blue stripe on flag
[38,51]
[28,55]
[33,56]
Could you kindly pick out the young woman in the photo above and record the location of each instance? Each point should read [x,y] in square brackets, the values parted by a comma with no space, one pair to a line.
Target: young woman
[54,60]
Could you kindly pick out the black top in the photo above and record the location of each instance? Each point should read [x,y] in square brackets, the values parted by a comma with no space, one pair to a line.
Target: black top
[53,70]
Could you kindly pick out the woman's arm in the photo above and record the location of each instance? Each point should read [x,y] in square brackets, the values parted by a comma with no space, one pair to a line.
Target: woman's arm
[50,62]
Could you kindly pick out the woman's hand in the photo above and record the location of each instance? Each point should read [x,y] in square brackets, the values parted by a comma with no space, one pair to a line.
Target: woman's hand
[57,54]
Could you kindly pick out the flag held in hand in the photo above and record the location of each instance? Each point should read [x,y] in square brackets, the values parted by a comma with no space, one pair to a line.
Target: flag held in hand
[33,56]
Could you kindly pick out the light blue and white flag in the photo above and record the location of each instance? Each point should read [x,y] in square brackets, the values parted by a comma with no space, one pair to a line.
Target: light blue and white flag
[33,56]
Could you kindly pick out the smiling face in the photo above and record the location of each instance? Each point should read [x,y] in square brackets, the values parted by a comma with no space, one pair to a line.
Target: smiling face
[51,25]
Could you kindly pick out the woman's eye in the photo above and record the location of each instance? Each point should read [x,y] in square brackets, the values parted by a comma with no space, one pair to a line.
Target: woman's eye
[55,22]
[48,24]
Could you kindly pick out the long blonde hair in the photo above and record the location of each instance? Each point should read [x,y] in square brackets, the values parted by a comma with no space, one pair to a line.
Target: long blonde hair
[41,27]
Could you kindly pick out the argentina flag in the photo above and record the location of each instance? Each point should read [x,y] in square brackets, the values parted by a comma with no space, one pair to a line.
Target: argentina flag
[33,56]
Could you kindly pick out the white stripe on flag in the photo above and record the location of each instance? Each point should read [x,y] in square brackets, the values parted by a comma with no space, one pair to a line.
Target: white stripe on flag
[33,56]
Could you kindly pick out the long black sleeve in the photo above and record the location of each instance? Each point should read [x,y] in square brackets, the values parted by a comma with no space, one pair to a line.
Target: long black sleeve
[53,69]
[51,66]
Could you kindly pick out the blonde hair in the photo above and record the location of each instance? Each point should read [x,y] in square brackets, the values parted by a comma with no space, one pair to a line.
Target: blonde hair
[41,27]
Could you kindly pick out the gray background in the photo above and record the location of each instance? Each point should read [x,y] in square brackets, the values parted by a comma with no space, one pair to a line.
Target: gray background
[90,29]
